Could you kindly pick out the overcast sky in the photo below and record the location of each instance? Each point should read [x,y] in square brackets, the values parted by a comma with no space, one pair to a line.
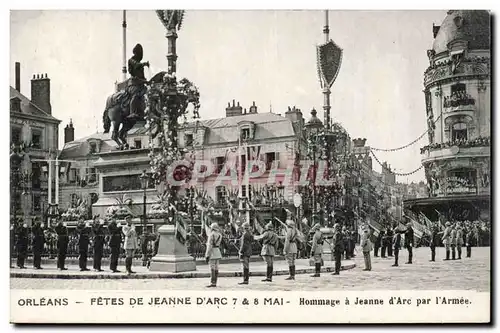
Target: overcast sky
[264,56]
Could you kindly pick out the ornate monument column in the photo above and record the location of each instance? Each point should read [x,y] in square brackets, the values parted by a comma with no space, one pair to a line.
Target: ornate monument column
[168,100]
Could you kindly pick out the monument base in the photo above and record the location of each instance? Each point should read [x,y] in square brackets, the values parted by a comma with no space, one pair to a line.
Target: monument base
[172,255]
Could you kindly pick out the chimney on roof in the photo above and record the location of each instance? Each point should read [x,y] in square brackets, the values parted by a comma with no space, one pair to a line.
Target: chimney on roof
[435,29]
[18,76]
[253,108]
[69,132]
[40,92]
[294,114]
[234,110]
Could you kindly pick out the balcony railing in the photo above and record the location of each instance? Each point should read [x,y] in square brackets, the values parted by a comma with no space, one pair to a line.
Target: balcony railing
[457,100]
[477,142]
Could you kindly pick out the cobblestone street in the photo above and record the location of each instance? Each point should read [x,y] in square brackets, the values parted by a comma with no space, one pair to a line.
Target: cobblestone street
[466,274]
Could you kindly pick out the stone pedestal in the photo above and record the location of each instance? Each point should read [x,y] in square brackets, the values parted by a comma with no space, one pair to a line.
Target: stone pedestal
[172,256]
[327,245]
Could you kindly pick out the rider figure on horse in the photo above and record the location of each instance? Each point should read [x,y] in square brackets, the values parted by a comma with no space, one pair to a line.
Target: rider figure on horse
[136,86]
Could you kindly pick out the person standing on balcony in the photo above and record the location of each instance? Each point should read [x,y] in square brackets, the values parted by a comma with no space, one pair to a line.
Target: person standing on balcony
[83,232]
[115,242]
[22,245]
[98,243]
[37,244]
[130,243]
[62,244]
[246,251]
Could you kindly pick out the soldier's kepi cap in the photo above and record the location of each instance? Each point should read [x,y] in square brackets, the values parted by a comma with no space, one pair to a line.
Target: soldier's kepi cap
[447,224]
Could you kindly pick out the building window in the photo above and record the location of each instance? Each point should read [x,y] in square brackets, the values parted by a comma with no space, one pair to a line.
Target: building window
[36,176]
[188,139]
[137,144]
[245,134]
[15,105]
[91,175]
[220,194]
[36,139]
[124,183]
[270,158]
[15,135]
[219,164]
[459,131]
[92,148]
[74,175]
[37,207]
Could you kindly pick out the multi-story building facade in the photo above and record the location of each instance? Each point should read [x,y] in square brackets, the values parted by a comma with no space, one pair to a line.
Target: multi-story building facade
[34,141]
[102,176]
[457,93]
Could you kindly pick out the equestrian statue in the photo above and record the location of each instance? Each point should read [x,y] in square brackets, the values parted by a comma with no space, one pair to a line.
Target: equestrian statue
[127,106]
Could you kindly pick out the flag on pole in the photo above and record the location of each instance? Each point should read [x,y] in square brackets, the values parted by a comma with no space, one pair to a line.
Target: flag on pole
[258,226]
[440,219]
[180,229]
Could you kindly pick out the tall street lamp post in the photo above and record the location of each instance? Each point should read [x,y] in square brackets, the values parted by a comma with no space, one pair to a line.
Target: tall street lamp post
[144,243]
[314,128]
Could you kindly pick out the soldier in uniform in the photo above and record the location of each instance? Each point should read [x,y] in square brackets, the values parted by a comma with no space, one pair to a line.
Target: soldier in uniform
[389,235]
[447,239]
[37,244]
[353,242]
[384,243]
[246,251]
[366,245]
[396,245]
[317,248]
[378,244]
[22,245]
[98,243]
[62,244]
[434,241]
[345,240]
[409,241]
[213,254]
[453,241]
[83,231]
[290,248]
[469,239]
[130,243]
[269,243]
[337,248]
[460,240]
[115,241]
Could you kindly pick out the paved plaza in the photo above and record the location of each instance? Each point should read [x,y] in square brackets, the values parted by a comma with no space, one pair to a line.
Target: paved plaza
[466,274]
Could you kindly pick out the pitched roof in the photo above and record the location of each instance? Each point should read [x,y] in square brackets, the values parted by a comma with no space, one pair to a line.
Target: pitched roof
[268,126]
[29,108]
[220,130]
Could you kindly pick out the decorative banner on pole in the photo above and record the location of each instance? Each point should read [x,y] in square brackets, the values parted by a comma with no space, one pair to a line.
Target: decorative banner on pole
[329,59]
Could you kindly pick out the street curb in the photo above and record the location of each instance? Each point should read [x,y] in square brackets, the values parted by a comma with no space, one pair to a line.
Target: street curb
[186,275]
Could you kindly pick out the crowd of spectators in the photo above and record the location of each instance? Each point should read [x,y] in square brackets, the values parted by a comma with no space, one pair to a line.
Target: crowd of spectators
[458,98]
[462,143]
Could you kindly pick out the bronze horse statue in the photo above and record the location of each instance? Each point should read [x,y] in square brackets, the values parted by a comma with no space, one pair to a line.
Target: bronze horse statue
[117,111]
